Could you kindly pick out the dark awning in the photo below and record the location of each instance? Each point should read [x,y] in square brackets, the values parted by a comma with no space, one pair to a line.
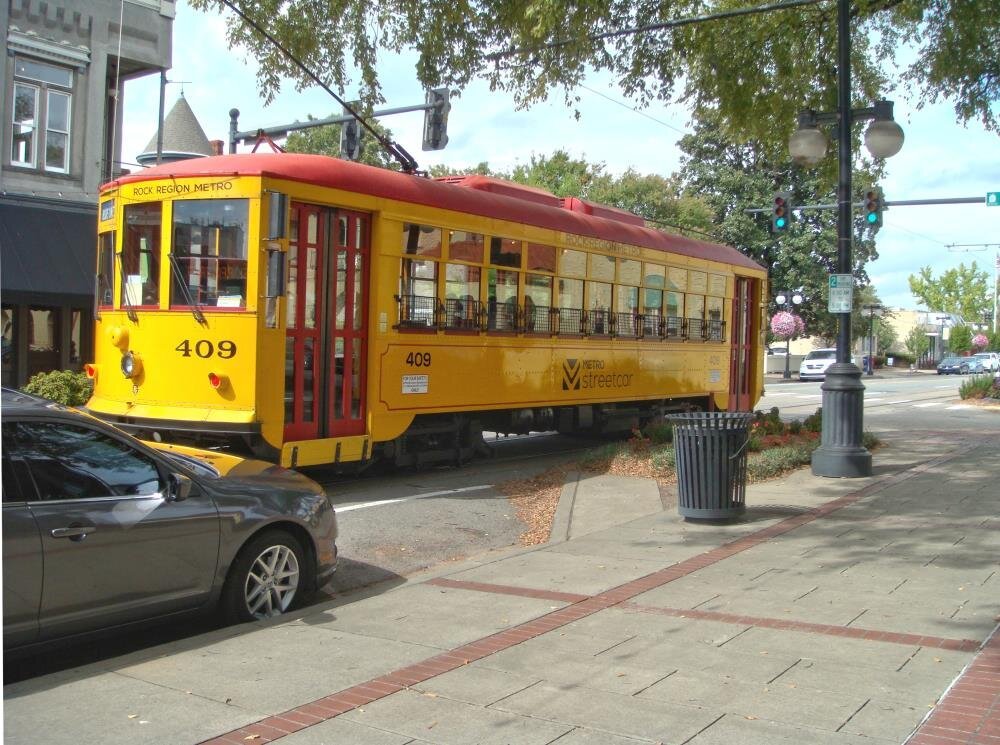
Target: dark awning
[47,251]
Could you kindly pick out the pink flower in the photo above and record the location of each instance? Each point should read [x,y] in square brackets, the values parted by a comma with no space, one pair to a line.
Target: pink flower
[785,325]
[979,341]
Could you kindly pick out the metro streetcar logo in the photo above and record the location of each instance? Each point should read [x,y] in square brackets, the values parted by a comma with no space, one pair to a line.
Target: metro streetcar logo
[589,374]
[571,375]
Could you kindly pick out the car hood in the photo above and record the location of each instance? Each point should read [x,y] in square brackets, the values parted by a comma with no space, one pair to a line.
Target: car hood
[235,469]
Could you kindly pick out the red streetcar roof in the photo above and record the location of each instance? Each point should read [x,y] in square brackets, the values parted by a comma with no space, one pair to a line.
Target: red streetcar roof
[496,203]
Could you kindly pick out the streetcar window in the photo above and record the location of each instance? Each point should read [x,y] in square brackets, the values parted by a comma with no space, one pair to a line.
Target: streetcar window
[501,291]
[676,279]
[713,314]
[695,315]
[573,263]
[599,306]
[418,296]
[602,267]
[141,255]
[629,271]
[461,295]
[421,240]
[673,304]
[537,302]
[465,246]
[652,303]
[541,258]
[570,305]
[653,276]
[628,299]
[105,270]
[505,252]
[209,253]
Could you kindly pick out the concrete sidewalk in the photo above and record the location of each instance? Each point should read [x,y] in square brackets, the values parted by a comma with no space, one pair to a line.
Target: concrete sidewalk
[835,611]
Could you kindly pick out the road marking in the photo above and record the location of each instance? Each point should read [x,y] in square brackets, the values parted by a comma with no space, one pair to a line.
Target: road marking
[381,502]
[961,407]
[930,403]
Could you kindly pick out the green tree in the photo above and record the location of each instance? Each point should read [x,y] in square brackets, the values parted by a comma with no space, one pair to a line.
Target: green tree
[964,291]
[960,339]
[917,341]
[757,70]
[326,141]
[729,177]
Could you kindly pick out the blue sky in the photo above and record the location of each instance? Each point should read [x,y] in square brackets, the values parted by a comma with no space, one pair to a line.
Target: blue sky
[940,158]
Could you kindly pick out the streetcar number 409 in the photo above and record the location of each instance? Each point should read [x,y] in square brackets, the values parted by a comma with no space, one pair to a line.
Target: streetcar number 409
[418,359]
[203,348]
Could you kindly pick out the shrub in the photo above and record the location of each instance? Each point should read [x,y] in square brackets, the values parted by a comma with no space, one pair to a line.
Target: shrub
[659,433]
[978,386]
[62,386]
[664,459]
[774,461]
[814,422]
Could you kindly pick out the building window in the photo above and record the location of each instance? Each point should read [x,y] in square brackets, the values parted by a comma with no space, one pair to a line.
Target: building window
[41,113]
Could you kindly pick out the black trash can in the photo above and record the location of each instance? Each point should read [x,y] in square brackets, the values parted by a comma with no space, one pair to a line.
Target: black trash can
[711,454]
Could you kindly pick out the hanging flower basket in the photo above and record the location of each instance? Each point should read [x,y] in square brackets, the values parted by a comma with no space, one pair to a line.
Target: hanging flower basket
[980,342]
[785,325]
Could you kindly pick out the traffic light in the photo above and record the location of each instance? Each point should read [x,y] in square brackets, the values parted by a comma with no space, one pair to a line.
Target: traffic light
[781,211]
[873,207]
[350,138]
[436,119]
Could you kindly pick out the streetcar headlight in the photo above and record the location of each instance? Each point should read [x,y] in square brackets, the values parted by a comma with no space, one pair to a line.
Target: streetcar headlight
[131,365]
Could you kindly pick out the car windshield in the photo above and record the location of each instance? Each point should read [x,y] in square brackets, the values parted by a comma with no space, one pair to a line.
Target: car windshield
[951,361]
[822,354]
[981,356]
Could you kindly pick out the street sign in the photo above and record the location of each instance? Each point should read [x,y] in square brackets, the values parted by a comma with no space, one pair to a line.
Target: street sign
[841,298]
[993,199]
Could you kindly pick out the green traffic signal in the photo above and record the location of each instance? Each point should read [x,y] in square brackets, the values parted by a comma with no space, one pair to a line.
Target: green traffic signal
[781,211]
[873,207]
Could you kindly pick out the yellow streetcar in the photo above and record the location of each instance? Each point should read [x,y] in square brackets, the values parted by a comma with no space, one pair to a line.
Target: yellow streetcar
[315,311]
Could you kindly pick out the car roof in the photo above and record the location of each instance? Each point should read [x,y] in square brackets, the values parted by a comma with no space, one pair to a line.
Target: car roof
[14,401]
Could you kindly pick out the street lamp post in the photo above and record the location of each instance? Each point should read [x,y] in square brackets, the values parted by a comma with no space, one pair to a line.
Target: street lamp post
[942,322]
[841,453]
[873,310]
[787,300]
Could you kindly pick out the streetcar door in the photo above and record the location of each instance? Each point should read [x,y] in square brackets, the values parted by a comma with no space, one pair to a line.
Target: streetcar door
[741,367]
[304,335]
[348,324]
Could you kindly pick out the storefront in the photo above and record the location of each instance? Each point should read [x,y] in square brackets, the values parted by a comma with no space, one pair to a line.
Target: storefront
[47,259]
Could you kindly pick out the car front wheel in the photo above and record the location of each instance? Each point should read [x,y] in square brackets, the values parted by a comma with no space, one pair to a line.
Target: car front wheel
[266,580]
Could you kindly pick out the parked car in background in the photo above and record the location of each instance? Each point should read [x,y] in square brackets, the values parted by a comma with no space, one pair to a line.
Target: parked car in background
[959,366]
[101,530]
[815,364]
[991,360]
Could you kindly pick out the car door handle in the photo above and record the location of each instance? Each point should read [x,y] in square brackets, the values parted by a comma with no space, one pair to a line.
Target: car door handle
[73,532]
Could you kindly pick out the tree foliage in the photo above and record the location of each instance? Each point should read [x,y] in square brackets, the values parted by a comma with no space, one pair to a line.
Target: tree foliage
[757,71]
[964,291]
[728,178]
[326,141]
[917,341]
[960,339]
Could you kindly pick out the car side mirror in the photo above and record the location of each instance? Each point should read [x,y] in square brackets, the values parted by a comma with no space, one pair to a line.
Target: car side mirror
[179,487]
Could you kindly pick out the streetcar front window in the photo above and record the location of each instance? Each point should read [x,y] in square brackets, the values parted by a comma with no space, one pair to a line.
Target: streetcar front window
[141,255]
[105,270]
[209,253]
